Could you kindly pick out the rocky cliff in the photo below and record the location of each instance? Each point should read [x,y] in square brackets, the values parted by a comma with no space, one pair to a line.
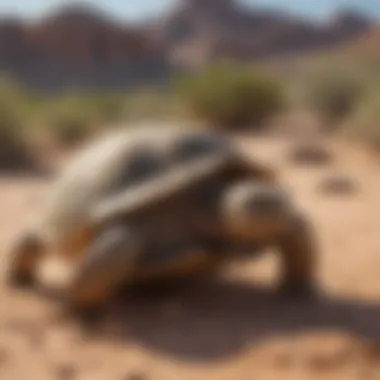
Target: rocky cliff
[79,46]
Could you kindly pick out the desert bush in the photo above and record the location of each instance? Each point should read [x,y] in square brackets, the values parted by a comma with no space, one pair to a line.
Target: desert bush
[16,97]
[151,104]
[333,95]
[15,151]
[69,120]
[10,88]
[231,96]
[106,107]
[364,123]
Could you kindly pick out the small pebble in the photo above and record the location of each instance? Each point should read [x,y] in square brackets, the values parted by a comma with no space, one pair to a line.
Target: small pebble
[4,356]
[283,361]
[66,371]
[311,154]
[135,376]
[338,184]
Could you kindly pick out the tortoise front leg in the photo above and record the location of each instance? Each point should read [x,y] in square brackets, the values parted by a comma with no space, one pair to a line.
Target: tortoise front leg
[24,258]
[299,258]
[106,266]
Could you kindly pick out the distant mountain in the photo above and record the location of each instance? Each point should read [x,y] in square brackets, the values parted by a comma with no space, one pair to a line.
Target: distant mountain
[367,44]
[198,31]
[79,46]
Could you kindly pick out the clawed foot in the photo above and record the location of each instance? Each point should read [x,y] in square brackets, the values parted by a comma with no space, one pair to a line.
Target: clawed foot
[301,291]
[87,317]
[20,281]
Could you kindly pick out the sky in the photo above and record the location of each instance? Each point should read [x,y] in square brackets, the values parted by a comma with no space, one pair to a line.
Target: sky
[135,10]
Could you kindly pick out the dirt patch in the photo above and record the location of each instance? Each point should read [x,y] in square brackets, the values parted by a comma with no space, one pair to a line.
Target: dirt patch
[232,328]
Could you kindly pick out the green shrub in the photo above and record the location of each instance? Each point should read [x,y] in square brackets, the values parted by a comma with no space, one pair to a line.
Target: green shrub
[105,107]
[333,95]
[364,122]
[151,104]
[25,99]
[15,151]
[231,96]
[69,120]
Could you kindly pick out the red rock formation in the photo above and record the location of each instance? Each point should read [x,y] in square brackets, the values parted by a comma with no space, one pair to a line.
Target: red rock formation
[81,46]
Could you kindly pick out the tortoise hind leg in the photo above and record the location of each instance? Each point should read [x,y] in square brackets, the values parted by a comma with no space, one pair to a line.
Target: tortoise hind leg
[25,256]
[105,268]
[298,253]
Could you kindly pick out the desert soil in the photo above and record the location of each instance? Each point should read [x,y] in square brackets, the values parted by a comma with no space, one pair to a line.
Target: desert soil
[234,328]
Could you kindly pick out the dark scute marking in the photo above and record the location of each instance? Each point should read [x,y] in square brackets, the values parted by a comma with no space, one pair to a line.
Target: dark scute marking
[197,145]
[143,165]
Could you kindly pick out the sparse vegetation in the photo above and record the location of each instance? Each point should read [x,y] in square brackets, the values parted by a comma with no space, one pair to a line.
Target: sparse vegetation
[14,150]
[148,103]
[106,107]
[231,97]
[226,96]
[68,120]
[333,95]
[364,123]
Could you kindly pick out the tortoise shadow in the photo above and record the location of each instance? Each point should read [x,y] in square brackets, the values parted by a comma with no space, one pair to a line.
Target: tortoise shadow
[210,319]
[42,172]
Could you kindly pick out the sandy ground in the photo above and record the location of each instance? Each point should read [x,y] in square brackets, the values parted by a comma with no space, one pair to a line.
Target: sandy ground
[233,329]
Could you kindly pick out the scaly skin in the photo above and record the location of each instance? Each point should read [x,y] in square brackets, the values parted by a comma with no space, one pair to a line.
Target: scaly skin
[205,193]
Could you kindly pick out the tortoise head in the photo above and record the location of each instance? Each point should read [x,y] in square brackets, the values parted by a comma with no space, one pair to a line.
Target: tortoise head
[254,210]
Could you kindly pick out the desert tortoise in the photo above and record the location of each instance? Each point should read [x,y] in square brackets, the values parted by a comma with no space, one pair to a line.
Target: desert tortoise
[153,202]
